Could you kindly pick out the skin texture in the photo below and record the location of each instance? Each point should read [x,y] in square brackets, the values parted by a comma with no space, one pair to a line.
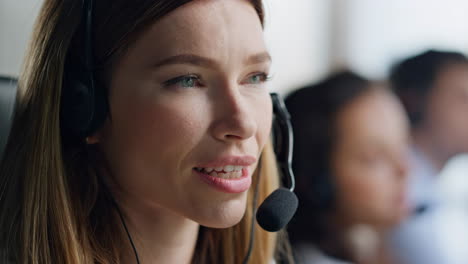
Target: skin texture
[161,128]
[444,131]
[369,160]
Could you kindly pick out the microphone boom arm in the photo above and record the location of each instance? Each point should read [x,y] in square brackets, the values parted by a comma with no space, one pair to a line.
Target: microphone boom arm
[284,144]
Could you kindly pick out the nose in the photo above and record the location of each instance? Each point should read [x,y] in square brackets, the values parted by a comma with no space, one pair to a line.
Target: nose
[403,167]
[234,116]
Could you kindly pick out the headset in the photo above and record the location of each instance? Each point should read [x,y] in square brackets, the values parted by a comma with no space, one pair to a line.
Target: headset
[84,108]
[8,87]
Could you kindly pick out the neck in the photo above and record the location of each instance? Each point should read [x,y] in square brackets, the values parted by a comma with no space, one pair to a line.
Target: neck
[436,155]
[159,235]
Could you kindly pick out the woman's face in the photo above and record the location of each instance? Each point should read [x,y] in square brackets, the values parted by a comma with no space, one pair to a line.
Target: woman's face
[190,113]
[442,121]
[369,160]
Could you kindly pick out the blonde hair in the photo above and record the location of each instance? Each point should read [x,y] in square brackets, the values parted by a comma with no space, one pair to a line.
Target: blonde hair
[54,209]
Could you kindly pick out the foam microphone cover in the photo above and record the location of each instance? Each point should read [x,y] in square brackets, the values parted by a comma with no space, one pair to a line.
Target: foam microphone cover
[277,210]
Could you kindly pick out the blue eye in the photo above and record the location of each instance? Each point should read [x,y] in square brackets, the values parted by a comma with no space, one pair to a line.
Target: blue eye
[257,78]
[186,81]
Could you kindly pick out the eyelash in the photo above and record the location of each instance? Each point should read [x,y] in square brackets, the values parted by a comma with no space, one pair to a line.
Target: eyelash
[264,77]
[177,80]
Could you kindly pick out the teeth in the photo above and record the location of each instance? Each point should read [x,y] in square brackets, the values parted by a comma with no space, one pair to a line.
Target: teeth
[229,175]
[226,172]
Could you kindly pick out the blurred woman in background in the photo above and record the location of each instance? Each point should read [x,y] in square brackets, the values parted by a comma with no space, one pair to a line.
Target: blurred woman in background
[350,151]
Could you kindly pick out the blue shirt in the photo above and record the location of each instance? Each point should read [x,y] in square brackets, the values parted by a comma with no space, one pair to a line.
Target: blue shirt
[438,235]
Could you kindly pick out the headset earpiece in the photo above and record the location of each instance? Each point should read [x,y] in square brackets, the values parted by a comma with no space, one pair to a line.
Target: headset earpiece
[84,106]
[8,88]
[77,109]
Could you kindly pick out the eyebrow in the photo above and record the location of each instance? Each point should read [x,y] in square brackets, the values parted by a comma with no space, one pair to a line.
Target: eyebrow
[207,62]
[258,58]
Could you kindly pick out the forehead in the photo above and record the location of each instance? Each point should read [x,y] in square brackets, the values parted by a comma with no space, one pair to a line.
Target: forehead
[208,28]
[453,76]
[375,116]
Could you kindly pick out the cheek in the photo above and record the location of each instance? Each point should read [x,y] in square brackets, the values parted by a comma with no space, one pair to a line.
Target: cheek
[158,125]
[365,194]
[455,124]
[449,123]
[172,125]
[358,191]
[148,138]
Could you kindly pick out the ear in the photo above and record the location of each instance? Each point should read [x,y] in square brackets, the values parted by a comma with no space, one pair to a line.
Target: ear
[99,134]
[94,139]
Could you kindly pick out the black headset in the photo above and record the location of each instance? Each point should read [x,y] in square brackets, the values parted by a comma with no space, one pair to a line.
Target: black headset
[84,108]
[8,87]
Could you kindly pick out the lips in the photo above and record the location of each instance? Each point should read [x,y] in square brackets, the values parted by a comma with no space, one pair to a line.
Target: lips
[229,174]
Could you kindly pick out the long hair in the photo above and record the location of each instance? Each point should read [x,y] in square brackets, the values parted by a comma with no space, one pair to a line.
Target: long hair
[314,110]
[55,207]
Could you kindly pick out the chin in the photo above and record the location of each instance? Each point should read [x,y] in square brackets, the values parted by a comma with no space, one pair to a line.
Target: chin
[223,215]
[391,221]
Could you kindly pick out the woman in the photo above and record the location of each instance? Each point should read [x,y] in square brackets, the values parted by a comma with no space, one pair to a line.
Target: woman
[160,169]
[350,164]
